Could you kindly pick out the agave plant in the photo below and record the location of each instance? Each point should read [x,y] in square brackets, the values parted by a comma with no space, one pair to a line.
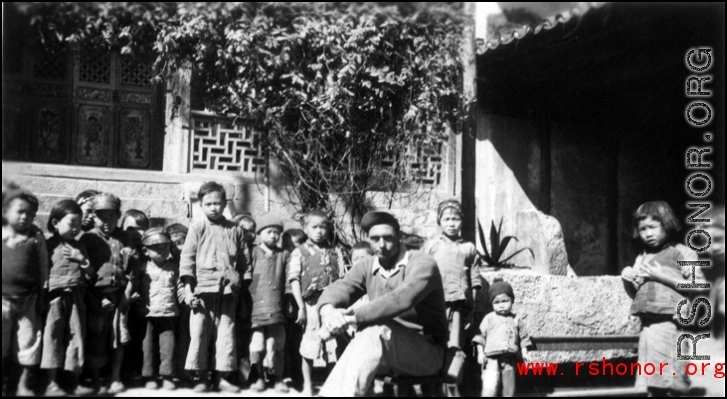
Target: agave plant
[498,243]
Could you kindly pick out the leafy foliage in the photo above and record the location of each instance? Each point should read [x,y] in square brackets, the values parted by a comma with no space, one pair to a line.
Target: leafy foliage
[498,244]
[337,87]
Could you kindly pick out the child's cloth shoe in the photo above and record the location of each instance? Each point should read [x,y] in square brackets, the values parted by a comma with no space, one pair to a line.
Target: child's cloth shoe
[281,387]
[259,386]
[152,384]
[226,387]
[168,385]
[201,387]
[116,388]
[54,391]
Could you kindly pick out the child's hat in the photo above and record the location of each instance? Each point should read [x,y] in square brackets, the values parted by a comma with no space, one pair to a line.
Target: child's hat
[155,236]
[500,287]
[269,221]
[448,204]
[106,202]
[177,229]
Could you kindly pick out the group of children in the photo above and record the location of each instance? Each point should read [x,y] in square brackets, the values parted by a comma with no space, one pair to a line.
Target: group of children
[236,299]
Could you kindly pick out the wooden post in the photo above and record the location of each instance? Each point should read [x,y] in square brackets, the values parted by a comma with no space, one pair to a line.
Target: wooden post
[177,122]
[466,142]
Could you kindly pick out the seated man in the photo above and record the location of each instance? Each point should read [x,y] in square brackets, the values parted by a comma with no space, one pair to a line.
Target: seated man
[402,330]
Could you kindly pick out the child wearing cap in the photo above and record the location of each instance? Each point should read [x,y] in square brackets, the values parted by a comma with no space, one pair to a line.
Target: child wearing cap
[212,264]
[314,266]
[70,276]
[158,289]
[84,201]
[457,261]
[503,340]
[115,260]
[267,288]
[25,284]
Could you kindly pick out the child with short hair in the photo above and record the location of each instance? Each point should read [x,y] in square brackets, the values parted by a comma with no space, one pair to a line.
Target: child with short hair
[244,306]
[314,266]
[267,288]
[292,239]
[115,260]
[134,223]
[652,283]
[503,340]
[84,201]
[70,276]
[25,284]
[158,287]
[457,261]
[178,233]
[213,261]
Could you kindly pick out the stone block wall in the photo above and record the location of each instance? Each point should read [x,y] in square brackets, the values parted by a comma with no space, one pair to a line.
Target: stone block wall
[562,306]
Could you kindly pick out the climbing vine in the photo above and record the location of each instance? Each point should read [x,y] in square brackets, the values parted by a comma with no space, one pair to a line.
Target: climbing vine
[338,88]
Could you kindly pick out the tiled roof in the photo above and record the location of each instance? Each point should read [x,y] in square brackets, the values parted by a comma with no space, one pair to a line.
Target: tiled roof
[545,25]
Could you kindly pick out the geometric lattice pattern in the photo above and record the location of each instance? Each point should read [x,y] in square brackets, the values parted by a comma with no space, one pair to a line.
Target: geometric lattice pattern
[226,146]
[425,167]
[95,67]
[135,73]
[51,63]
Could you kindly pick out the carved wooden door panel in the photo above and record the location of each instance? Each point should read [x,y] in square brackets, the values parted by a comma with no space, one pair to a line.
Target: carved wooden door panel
[116,112]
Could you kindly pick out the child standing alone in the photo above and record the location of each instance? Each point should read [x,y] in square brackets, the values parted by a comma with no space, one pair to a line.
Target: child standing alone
[652,283]
[313,267]
[269,267]
[25,283]
[456,259]
[70,275]
[212,263]
[503,340]
[158,283]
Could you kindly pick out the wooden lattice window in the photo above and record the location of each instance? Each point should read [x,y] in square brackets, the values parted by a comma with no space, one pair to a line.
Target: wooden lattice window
[425,166]
[51,64]
[94,67]
[226,145]
[135,73]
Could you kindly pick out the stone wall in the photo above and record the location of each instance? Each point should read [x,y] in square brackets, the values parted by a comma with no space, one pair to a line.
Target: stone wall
[562,306]
[176,202]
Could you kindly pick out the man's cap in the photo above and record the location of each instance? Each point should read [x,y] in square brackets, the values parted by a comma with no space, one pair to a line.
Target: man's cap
[155,236]
[500,287]
[106,202]
[372,219]
[269,221]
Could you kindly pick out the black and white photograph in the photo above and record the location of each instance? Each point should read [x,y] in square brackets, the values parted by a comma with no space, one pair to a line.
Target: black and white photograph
[364,199]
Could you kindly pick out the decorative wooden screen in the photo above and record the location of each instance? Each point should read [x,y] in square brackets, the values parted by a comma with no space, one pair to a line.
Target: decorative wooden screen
[425,167]
[82,107]
[223,144]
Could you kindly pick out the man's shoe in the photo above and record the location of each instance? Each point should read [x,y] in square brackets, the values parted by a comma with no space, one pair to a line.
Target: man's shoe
[226,387]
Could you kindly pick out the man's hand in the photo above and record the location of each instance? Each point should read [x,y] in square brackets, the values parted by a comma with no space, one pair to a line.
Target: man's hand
[192,301]
[302,317]
[526,354]
[336,321]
